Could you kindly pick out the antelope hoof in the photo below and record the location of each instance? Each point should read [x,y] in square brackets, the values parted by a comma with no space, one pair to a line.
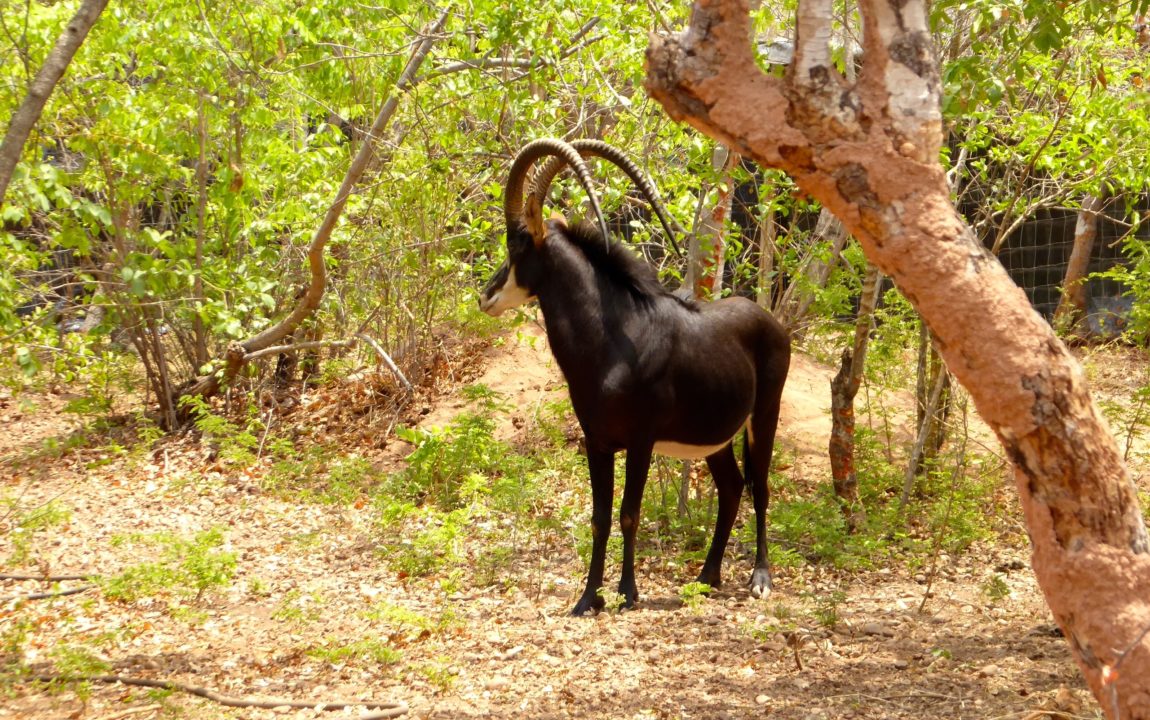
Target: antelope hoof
[588,605]
[712,578]
[761,583]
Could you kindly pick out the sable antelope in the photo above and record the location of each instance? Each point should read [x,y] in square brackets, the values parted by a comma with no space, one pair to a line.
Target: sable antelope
[648,372]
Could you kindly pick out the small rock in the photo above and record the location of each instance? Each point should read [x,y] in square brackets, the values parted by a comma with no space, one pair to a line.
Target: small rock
[762,699]
[989,671]
[901,664]
[512,653]
[873,628]
[496,683]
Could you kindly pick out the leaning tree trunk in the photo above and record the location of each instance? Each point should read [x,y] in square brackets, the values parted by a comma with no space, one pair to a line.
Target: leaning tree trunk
[1072,306]
[24,119]
[869,151]
[707,249]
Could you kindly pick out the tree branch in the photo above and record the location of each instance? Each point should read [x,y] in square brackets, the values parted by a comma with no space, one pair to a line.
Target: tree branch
[25,118]
[496,63]
[358,166]
[311,344]
[236,354]
[812,62]
[44,578]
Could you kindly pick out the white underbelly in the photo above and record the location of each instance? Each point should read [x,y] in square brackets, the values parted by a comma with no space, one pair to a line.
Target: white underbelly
[686,452]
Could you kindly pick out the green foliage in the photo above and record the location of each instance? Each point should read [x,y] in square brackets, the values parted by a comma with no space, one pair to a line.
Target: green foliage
[694,594]
[13,636]
[26,522]
[613,602]
[299,609]
[78,661]
[827,608]
[187,568]
[414,624]
[439,468]
[367,651]
[1134,278]
[433,547]
[166,241]
[439,673]
[236,445]
[320,475]
[996,588]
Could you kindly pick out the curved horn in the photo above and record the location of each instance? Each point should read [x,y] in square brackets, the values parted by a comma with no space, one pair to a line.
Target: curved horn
[532,151]
[546,174]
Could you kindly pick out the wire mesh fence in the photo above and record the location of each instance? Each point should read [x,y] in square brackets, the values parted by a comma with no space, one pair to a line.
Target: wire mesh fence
[1036,256]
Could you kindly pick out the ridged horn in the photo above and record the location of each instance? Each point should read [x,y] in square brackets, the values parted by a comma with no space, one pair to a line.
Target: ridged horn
[564,153]
[541,182]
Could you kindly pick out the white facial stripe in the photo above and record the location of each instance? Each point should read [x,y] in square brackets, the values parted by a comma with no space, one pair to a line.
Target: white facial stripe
[508,296]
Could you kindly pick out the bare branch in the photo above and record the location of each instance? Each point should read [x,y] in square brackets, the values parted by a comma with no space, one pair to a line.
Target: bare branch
[490,62]
[275,349]
[387,359]
[47,595]
[383,709]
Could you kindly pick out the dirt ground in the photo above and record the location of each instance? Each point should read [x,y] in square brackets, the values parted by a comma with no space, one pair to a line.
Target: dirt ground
[510,650]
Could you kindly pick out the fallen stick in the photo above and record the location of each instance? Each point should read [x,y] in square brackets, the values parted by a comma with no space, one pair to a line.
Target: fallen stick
[383,709]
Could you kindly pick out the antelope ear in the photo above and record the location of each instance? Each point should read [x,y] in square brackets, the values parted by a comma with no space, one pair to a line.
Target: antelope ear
[533,218]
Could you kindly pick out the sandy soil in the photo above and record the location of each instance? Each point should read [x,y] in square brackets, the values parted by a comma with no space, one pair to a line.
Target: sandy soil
[826,644]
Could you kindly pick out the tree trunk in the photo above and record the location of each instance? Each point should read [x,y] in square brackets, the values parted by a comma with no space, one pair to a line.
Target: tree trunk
[844,387]
[932,410]
[932,383]
[1072,306]
[868,151]
[768,232]
[707,250]
[42,86]
[199,332]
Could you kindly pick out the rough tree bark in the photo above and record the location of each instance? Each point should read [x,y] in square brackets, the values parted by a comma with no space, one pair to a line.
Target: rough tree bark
[868,151]
[24,119]
[844,387]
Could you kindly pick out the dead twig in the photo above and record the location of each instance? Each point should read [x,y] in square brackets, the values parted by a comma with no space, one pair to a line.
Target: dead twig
[46,595]
[382,709]
[387,359]
[44,578]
